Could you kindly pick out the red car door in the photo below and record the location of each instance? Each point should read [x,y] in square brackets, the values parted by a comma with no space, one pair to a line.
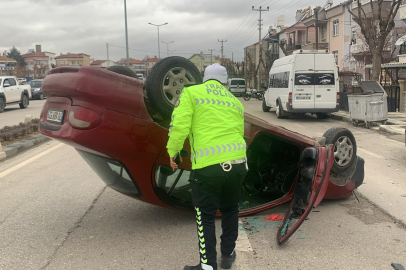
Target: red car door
[309,190]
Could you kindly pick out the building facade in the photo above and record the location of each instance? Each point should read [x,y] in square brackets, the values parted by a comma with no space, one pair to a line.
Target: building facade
[203,60]
[72,60]
[7,65]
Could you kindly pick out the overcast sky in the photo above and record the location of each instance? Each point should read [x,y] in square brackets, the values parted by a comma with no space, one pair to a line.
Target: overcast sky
[85,26]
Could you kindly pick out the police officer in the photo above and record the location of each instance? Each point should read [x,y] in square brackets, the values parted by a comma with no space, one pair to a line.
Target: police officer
[213,119]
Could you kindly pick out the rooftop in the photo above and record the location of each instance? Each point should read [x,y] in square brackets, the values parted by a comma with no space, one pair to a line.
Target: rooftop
[3,58]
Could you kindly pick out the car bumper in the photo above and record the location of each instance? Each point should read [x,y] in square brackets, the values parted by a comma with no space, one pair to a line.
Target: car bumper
[289,108]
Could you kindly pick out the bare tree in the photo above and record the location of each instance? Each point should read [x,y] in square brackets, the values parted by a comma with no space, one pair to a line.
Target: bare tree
[375,25]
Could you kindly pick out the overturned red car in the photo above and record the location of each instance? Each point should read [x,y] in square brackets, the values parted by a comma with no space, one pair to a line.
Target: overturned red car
[119,125]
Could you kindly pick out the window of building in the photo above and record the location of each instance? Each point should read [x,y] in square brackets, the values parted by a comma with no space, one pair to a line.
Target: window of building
[335,53]
[354,35]
[73,62]
[335,27]
[323,33]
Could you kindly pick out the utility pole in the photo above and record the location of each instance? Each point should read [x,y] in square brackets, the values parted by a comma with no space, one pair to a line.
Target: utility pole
[126,34]
[259,40]
[211,56]
[316,16]
[222,41]
[108,62]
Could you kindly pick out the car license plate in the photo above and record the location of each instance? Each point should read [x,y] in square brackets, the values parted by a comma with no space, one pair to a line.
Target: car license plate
[55,115]
[303,97]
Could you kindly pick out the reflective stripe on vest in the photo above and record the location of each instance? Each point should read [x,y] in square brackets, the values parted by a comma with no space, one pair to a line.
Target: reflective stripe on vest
[217,102]
[218,149]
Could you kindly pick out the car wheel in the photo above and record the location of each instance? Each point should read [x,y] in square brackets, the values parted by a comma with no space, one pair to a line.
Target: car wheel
[41,96]
[345,148]
[166,80]
[123,71]
[264,107]
[24,103]
[2,105]
[279,113]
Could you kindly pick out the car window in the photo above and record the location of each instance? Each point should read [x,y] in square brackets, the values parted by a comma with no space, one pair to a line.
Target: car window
[112,172]
[36,84]
[238,82]
[12,81]
[6,82]
[279,80]
[0,81]
[166,179]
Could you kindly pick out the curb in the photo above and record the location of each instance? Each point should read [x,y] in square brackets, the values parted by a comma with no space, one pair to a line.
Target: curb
[340,118]
[20,146]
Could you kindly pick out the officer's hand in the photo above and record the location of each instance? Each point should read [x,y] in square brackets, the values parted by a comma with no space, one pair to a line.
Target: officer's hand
[173,164]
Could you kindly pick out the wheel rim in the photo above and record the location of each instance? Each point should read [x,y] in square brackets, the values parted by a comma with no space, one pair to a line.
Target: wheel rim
[174,81]
[277,110]
[343,151]
[41,96]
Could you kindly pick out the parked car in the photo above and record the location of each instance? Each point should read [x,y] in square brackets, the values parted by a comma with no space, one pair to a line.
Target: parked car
[36,89]
[11,92]
[22,81]
[140,76]
[304,82]
[120,128]
[237,86]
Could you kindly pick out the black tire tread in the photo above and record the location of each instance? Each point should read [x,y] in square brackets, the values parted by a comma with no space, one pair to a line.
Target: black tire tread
[123,71]
[264,107]
[155,77]
[3,105]
[333,134]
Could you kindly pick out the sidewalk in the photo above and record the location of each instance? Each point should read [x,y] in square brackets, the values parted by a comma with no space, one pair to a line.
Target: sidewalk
[396,123]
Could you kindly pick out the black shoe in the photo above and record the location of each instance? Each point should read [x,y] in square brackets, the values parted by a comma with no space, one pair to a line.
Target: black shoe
[197,267]
[227,261]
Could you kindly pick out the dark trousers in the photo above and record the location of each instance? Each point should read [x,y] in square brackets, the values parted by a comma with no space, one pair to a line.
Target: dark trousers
[214,189]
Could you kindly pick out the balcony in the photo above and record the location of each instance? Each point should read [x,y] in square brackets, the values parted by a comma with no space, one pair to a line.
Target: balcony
[312,46]
[293,47]
[402,11]
[363,48]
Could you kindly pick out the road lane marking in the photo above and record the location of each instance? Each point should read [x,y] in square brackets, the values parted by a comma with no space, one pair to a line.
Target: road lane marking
[370,153]
[28,161]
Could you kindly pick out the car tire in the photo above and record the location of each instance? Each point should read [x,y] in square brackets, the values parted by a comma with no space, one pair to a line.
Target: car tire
[24,102]
[345,149]
[279,111]
[123,71]
[41,96]
[2,105]
[264,107]
[166,80]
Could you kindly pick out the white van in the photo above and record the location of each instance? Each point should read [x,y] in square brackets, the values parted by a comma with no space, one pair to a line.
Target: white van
[304,82]
[236,86]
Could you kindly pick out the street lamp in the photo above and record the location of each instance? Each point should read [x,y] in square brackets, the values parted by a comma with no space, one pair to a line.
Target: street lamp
[167,46]
[172,52]
[159,49]
[126,33]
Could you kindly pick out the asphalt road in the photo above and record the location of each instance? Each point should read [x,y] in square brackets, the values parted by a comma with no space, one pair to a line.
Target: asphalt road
[55,213]
[13,115]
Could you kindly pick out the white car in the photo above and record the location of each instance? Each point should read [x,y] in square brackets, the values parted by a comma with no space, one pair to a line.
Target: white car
[140,76]
[11,92]
[22,81]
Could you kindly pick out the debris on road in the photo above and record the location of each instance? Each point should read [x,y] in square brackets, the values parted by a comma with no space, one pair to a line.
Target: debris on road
[274,217]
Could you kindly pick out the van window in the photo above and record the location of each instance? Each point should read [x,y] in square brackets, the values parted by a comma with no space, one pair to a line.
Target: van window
[237,82]
[304,79]
[324,79]
[279,80]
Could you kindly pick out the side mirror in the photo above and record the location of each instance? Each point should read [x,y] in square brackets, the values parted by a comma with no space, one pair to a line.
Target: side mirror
[6,85]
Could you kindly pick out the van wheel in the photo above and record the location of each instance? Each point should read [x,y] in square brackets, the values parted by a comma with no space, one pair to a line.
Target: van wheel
[322,115]
[279,112]
[264,107]
[345,148]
